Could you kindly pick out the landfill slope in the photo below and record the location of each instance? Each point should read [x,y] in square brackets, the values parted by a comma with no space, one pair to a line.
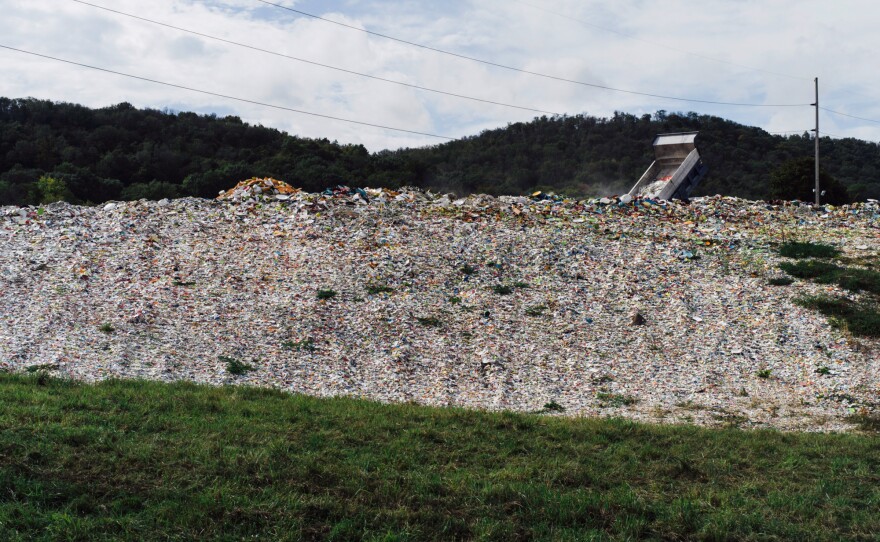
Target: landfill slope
[649,310]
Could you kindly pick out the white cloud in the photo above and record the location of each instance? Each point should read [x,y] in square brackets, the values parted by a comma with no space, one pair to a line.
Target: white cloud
[559,37]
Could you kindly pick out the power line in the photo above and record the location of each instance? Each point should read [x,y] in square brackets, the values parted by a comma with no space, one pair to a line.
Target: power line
[848,115]
[853,92]
[352,72]
[656,44]
[520,70]
[281,107]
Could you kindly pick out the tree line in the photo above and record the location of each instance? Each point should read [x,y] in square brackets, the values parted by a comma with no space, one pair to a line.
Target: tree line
[54,150]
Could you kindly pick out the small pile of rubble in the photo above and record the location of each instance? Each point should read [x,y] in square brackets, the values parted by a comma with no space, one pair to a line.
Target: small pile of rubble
[256,187]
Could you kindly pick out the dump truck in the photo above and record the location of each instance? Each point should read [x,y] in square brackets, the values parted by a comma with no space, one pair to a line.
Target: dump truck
[676,171]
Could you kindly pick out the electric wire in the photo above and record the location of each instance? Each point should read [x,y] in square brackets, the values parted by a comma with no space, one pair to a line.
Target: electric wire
[226,96]
[328,66]
[848,115]
[657,44]
[521,70]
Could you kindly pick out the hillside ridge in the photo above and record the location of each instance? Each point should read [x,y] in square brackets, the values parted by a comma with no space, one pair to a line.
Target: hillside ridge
[120,152]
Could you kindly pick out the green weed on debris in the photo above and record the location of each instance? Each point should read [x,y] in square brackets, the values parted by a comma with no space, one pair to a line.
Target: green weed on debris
[140,460]
[374,289]
[236,367]
[326,294]
[615,399]
[536,310]
[850,278]
[502,289]
[429,321]
[307,344]
[808,250]
[552,406]
[859,318]
[869,423]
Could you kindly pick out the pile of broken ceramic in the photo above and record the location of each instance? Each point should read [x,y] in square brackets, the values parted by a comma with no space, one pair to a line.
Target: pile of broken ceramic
[397,295]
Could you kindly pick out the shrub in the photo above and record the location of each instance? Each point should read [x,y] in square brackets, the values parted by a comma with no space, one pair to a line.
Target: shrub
[468,269]
[106,328]
[764,373]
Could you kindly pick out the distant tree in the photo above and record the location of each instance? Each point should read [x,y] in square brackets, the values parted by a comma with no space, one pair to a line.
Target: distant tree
[153,190]
[52,190]
[18,186]
[9,192]
[210,183]
[119,151]
[84,185]
[796,180]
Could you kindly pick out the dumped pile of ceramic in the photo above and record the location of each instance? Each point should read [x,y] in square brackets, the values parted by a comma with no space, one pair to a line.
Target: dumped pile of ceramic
[647,309]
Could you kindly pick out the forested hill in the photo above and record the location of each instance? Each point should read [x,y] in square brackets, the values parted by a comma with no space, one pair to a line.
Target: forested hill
[51,151]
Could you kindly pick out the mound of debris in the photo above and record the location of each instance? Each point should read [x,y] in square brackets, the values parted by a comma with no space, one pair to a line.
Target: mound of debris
[625,306]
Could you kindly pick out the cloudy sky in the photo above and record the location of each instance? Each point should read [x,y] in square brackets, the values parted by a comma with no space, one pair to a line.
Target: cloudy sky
[755,52]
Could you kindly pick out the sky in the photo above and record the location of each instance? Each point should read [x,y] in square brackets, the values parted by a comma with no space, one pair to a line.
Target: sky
[765,53]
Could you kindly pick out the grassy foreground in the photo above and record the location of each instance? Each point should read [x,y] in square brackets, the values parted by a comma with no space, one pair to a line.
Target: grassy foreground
[151,461]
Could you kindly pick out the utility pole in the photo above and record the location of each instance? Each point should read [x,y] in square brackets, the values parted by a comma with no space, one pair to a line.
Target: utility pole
[818,193]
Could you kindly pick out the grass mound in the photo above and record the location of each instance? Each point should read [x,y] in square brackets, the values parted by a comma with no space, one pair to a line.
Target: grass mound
[135,460]
[862,319]
[808,250]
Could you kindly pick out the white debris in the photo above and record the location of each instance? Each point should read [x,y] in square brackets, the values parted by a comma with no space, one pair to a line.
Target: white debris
[482,302]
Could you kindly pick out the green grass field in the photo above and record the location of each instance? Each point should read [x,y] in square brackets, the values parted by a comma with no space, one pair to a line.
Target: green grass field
[150,461]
